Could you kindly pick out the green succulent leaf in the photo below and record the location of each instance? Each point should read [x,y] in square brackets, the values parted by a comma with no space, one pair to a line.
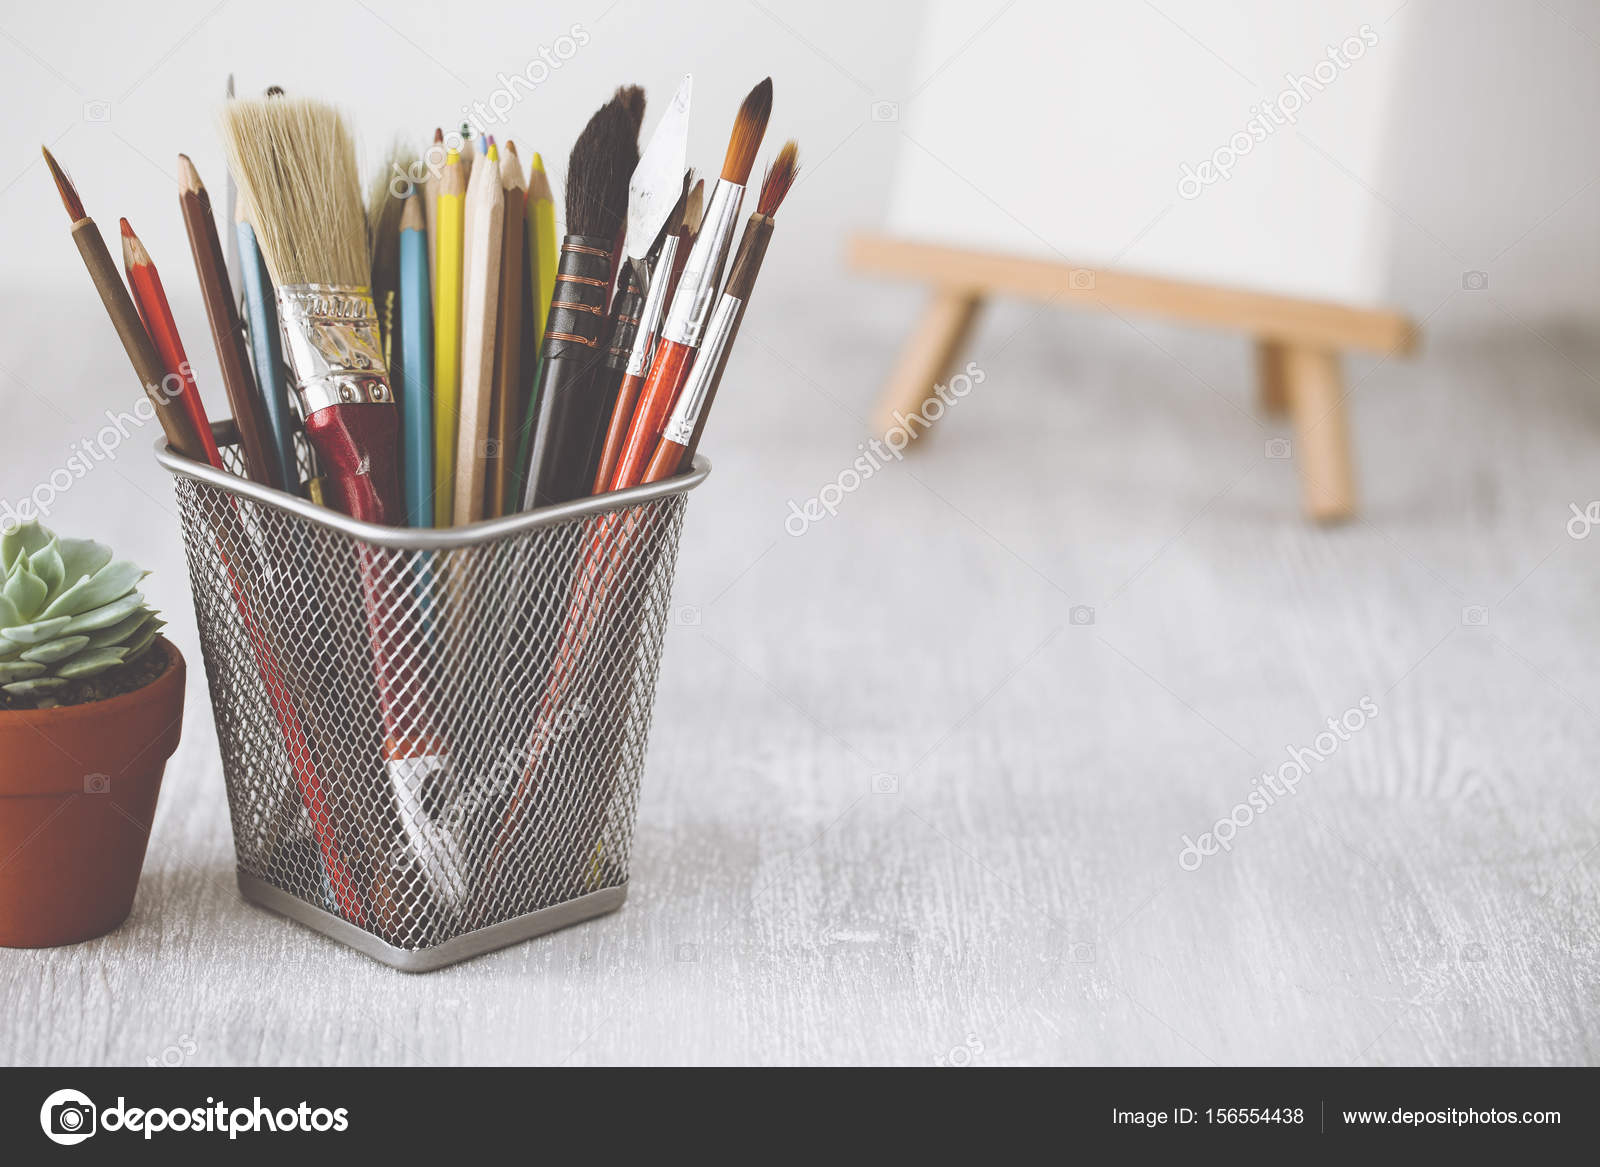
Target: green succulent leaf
[22,540]
[34,686]
[142,641]
[19,670]
[95,660]
[60,649]
[9,616]
[111,581]
[27,592]
[122,631]
[106,615]
[46,563]
[37,632]
[82,557]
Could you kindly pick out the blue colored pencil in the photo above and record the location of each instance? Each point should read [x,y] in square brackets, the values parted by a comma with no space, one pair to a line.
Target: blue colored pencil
[266,347]
[416,338]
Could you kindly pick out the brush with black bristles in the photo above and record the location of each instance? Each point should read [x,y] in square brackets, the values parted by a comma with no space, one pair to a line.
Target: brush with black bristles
[696,291]
[569,424]
[681,438]
[296,168]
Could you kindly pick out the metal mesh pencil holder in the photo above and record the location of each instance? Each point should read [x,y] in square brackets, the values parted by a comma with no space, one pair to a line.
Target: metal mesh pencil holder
[432,739]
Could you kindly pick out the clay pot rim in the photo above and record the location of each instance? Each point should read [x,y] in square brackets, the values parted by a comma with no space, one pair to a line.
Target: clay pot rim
[61,714]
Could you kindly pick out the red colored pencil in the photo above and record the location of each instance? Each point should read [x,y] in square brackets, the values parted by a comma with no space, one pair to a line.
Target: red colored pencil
[151,300]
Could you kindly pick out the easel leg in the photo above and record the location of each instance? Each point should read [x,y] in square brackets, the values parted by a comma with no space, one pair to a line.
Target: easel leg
[1321,432]
[927,355]
[1271,377]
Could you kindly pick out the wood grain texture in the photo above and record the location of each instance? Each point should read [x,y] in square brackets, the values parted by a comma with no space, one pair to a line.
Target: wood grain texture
[859,844]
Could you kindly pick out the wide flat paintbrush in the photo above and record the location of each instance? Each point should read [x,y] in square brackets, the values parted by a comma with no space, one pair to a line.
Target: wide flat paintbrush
[681,438]
[568,425]
[295,163]
[692,302]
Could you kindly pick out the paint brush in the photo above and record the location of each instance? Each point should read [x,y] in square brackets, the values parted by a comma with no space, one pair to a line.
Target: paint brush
[295,163]
[692,301]
[681,438]
[568,427]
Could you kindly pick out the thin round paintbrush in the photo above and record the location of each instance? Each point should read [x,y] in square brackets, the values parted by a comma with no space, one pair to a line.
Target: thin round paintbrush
[681,438]
[664,268]
[177,420]
[692,302]
[295,164]
[568,426]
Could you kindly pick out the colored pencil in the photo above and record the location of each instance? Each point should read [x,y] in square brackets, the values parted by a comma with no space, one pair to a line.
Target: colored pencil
[266,346]
[480,281]
[416,394]
[447,336]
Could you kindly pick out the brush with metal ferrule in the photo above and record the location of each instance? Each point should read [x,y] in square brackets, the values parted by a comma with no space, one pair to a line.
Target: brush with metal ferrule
[697,288]
[569,416]
[662,266]
[295,164]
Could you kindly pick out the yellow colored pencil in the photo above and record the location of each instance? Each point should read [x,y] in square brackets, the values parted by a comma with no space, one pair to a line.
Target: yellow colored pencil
[450,217]
[544,246]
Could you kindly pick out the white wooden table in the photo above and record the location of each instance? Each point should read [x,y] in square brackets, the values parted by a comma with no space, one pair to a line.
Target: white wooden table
[901,807]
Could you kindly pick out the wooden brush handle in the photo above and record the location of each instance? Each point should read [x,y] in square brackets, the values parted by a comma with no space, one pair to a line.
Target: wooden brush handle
[667,374]
[617,433]
[358,450]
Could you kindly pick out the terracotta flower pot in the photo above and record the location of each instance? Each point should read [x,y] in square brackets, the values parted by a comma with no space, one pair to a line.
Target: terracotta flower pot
[78,788]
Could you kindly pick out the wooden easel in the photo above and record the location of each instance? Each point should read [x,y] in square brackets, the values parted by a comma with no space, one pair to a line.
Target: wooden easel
[1298,342]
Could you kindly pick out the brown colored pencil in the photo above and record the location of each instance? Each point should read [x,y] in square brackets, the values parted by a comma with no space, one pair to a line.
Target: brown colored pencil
[176,421]
[222,310]
[504,414]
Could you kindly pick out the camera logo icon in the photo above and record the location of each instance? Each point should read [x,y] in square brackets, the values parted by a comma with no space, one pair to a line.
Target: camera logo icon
[68,1117]
[688,615]
[97,783]
[1081,615]
[489,448]
[885,111]
[97,111]
[1475,616]
[1081,279]
[1474,281]
[1279,449]
[886,784]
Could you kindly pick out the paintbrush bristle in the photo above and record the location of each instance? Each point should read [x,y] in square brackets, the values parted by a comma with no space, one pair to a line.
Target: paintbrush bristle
[295,162]
[694,209]
[602,162]
[632,99]
[748,130]
[401,164]
[780,176]
[64,187]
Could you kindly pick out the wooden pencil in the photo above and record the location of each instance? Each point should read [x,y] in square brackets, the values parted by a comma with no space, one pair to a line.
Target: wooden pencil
[480,298]
[156,314]
[504,414]
[176,419]
[447,336]
[249,413]
[266,347]
[544,246]
[415,394]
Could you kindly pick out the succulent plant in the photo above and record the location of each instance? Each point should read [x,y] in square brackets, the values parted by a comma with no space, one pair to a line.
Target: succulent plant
[68,611]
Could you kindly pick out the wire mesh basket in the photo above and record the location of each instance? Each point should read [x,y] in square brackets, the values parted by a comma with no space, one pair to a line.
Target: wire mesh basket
[432,739]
